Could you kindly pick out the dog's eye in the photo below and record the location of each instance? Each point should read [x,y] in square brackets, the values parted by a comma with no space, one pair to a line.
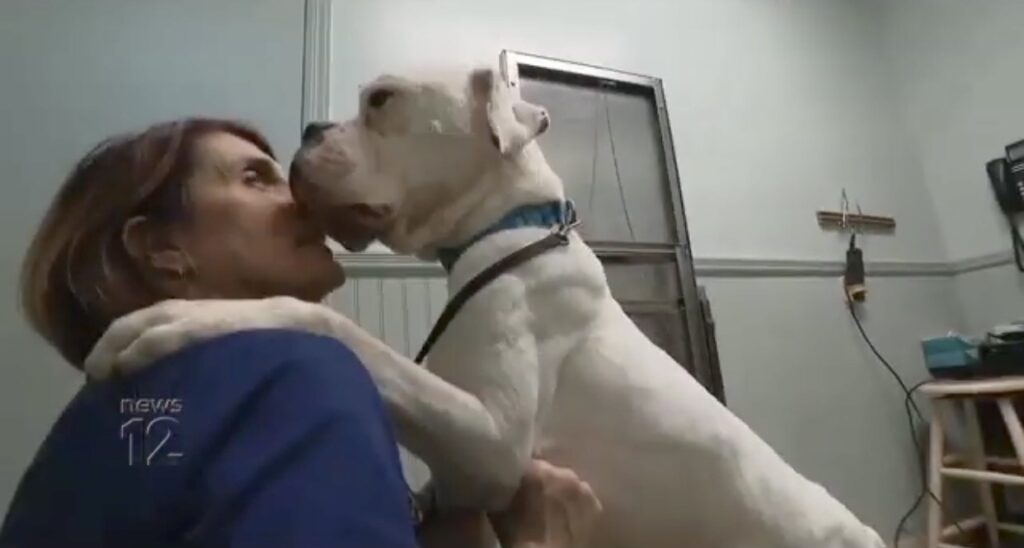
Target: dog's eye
[378,97]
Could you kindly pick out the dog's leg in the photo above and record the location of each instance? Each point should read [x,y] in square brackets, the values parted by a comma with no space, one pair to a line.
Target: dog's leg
[478,438]
[482,442]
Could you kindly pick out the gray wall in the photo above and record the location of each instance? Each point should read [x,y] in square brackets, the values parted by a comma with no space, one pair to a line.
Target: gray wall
[797,371]
[76,72]
[990,296]
[958,75]
[957,69]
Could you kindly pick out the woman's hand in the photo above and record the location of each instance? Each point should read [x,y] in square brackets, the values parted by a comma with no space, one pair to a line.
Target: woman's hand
[553,508]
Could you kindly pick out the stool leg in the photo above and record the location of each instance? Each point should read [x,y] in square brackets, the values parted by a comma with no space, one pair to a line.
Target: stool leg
[976,447]
[935,449]
[1013,427]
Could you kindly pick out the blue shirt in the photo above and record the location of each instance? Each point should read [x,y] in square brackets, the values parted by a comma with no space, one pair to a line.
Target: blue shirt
[261,438]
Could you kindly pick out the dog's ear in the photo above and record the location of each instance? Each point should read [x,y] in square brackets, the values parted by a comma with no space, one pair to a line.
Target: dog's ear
[512,123]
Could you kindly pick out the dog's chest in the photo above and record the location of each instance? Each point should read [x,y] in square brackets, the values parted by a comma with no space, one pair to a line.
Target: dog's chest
[523,323]
[488,338]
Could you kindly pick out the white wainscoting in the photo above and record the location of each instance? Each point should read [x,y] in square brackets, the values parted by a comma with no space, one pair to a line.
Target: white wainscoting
[399,311]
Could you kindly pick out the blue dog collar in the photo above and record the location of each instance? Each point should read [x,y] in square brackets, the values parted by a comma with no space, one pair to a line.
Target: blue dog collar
[546,215]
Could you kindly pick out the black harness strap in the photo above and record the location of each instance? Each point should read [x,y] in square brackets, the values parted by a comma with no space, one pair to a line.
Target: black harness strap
[558,237]
[424,503]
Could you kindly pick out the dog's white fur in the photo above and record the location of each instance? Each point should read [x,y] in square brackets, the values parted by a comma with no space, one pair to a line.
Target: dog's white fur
[542,362]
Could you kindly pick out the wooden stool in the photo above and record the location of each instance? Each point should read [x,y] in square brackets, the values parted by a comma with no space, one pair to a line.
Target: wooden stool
[940,465]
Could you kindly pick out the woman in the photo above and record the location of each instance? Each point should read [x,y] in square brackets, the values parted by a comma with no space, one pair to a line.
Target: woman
[261,438]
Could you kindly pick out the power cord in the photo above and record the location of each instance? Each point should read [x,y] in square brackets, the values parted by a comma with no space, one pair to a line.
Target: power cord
[919,451]
[908,404]
[1018,242]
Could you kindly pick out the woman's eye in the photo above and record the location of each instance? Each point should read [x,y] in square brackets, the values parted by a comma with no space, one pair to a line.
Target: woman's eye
[251,176]
[257,177]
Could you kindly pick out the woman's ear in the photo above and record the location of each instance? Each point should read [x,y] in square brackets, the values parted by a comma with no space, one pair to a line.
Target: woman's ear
[155,250]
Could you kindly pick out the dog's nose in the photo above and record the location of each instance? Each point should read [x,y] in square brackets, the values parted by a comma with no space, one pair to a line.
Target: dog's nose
[314,131]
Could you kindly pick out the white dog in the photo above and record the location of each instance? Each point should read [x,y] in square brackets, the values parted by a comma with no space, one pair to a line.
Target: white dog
[542,361]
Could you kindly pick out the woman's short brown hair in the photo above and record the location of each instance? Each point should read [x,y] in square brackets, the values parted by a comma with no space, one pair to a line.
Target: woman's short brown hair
[68,276]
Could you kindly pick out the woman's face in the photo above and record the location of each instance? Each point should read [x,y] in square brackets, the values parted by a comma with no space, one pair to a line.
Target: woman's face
[246,237]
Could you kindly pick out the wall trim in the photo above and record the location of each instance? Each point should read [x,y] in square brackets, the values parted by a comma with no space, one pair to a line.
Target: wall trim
[981,262]
[809,268]
[385,265]
[316,62]
[398,266]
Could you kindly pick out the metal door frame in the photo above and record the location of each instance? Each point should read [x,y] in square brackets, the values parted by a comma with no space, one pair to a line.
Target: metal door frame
[511,63]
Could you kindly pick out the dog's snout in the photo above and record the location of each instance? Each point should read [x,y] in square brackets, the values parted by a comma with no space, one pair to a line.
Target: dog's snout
[315,131]
[295,181]
[378,97]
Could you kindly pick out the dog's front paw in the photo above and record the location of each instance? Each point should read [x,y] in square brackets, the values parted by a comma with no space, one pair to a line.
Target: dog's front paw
[107,355]
[144,336]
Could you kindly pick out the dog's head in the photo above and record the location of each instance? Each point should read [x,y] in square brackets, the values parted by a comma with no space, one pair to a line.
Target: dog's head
[398,170]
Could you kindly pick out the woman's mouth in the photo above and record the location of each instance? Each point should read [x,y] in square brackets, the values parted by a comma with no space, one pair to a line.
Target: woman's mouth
[313,236]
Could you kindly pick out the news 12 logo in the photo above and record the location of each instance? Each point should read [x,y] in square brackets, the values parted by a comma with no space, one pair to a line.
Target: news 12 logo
[151,430]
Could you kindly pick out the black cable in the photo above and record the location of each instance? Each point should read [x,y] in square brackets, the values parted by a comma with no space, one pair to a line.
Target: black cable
[895,375]
[908,403]
[920,460]
[1018,242]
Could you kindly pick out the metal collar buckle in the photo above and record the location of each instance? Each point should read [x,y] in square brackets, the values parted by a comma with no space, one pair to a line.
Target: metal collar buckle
[570,220]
